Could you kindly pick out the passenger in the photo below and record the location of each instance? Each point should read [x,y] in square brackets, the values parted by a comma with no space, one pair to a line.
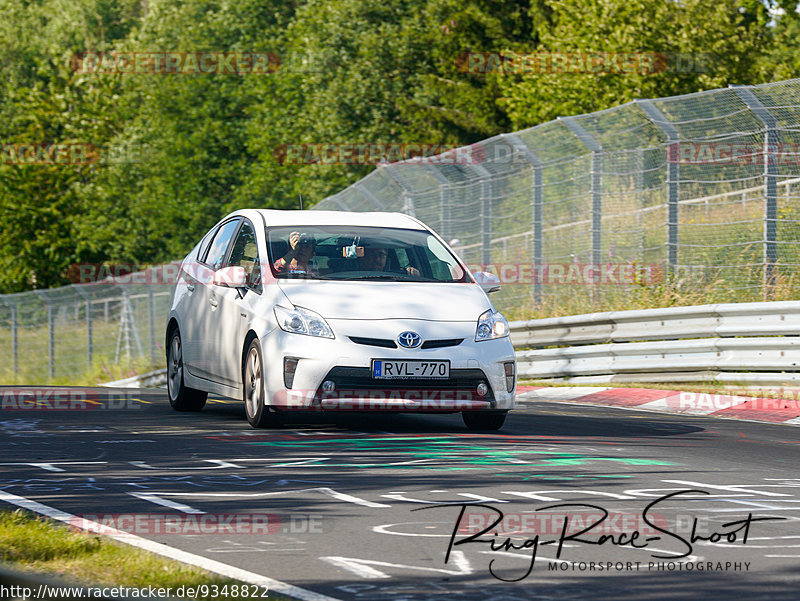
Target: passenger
[301,251]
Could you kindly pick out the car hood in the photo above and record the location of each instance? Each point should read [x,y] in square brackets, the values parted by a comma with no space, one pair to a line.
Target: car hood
[388,300]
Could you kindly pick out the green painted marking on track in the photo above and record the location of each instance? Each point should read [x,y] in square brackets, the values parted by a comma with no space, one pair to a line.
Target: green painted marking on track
[434,448]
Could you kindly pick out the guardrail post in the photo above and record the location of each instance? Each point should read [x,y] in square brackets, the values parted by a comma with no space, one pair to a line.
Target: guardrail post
[770,155]
[657,118]
[537,201]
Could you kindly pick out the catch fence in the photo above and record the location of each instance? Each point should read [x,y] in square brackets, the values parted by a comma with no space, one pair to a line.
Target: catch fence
[693,192]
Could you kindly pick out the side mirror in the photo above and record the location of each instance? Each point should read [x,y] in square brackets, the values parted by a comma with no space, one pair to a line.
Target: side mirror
[488,281]
[231,277]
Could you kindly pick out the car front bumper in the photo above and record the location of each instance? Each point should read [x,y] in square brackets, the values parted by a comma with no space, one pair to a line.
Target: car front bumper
[349,366]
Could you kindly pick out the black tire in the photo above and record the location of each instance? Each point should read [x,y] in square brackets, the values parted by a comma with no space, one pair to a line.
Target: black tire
[484,420]
[259,413]
[181,398]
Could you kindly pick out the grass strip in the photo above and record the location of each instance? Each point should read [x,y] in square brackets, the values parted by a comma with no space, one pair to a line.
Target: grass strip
[31,543]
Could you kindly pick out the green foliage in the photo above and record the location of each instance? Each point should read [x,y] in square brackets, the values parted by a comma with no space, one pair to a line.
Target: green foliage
[353,72]
[702,44]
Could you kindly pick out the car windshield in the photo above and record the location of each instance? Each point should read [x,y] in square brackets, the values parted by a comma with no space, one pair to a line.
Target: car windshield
[361,253]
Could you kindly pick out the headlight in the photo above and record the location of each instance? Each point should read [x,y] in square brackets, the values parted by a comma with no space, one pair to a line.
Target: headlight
[491,325]
[302,321]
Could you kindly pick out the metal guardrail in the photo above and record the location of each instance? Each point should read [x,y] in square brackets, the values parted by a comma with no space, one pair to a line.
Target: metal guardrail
[749,343]
[753,343]
[151,379]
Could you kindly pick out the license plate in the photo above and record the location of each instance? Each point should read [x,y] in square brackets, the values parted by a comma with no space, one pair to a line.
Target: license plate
[391,369]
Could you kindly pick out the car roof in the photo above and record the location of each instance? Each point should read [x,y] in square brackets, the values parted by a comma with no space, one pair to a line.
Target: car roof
[274,217]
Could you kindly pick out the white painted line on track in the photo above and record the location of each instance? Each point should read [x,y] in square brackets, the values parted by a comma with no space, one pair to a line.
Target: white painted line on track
[256,495]
[51,466]
[364,569]
[199,561]
[216,464]
[144,496]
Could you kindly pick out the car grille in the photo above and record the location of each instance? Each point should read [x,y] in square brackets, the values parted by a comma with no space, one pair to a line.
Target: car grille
[442,343]
[360,378]
[382,342]
[387,343]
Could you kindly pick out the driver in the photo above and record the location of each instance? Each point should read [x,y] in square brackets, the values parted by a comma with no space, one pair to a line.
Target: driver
[375,258]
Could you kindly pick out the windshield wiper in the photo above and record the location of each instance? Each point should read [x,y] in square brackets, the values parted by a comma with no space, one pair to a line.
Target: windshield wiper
[382,276]
[301,275]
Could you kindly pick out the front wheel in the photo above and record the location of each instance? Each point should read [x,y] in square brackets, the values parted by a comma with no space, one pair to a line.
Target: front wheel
[484,420]
[180,397]
[259,415]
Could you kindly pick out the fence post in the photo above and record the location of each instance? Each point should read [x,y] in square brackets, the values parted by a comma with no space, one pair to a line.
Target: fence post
[537,202]
[152,299]
[408,202]
[14,342]
[596,188]
[770,154]
[485,180]
[657,118]
[89,348]
[51,342]
[446,230]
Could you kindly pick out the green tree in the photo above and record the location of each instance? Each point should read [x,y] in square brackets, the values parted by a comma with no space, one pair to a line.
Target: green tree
[191,130]
[378,72]
[706,44]
[44,103]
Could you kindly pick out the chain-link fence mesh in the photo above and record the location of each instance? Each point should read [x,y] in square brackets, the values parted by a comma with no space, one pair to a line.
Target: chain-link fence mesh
[84,332]
[696,197]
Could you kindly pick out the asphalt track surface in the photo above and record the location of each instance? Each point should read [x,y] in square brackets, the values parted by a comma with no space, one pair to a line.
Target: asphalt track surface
[341,492]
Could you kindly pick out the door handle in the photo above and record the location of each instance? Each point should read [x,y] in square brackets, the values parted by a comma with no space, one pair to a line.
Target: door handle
[213,302]
[190,287]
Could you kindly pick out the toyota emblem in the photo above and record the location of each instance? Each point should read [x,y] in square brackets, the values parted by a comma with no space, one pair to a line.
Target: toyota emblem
[409,339]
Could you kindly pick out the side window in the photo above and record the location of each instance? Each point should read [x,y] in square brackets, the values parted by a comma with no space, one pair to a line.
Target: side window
[216,253]
[201,251]
[245,254]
